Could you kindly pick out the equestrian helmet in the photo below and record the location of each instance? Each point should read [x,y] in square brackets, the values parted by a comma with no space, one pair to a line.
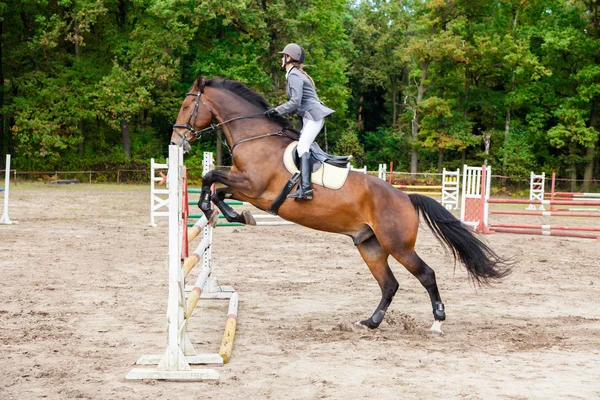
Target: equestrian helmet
[295,51]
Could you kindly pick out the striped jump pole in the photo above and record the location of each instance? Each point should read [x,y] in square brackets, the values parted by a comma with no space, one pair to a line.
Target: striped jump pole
[547,213]
[197,227]
[420,189]
[578,195]
[193,259]
[194,296]
[230,325]
[545,230]
[548,227]
[546,202]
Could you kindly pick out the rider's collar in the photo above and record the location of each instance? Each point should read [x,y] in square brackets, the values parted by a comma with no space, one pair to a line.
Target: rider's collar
[289,70]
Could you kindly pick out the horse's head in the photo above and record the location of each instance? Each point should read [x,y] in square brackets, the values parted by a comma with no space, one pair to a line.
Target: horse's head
[194,116]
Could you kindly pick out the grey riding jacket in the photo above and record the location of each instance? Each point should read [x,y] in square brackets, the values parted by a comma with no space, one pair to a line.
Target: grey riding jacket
[303,98]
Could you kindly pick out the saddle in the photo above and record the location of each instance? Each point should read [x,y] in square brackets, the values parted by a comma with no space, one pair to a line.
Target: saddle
[327,170]
[318,157]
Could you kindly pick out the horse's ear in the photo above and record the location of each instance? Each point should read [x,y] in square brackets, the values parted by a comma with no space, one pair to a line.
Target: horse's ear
[200,83]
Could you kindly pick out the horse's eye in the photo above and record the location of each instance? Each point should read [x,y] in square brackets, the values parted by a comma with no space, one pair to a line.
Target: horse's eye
[185,107]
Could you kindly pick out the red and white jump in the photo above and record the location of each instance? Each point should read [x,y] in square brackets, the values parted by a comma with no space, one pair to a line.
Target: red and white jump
[476,201]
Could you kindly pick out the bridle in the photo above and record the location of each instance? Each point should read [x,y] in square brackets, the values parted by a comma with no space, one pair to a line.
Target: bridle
[189,125]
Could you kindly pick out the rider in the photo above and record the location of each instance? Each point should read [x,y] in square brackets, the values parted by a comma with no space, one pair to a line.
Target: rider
[303,100]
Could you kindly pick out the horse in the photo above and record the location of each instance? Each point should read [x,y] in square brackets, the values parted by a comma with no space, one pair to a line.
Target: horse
[380,219]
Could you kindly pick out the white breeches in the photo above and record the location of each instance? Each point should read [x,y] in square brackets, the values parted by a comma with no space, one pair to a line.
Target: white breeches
[310,130]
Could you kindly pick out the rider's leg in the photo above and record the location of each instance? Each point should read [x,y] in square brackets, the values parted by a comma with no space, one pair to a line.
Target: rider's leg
[310,130]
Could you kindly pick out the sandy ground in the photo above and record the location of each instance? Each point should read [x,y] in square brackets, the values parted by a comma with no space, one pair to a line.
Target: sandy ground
[83,296]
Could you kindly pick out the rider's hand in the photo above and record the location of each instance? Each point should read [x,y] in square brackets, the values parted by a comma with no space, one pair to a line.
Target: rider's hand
[272,111]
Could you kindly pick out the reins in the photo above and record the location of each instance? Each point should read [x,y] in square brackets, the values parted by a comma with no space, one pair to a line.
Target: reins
[278,133]
[189,125]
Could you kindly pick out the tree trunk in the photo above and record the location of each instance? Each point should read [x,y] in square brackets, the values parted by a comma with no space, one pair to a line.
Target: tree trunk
[275,77]
[360,124]
[394,98]
[80,124]
[272,49]
[573,177]
[573,168]
[588,173]
[81,142]
[440,163]
[413,153]
[590,152]
[506,136]
[415,122]
[126,137]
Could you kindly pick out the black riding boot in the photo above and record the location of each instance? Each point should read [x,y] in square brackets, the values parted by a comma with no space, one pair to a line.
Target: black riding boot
[304,191]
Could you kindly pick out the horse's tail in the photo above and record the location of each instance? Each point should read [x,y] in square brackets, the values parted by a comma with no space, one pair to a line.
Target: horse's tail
[481,261]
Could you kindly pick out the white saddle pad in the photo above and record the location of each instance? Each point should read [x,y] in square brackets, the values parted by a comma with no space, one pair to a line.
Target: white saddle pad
[327,175]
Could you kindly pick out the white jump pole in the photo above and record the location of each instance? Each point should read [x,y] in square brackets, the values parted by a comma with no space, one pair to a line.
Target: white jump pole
[536,190]
[158,204]
[5,220]
[450,189]
[175,363]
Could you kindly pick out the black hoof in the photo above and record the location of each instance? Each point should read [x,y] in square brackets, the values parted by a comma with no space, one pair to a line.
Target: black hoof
[369,323]
[375,320]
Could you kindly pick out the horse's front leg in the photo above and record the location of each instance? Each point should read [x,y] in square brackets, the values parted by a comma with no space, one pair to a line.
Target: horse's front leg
[230,214]
[233,180]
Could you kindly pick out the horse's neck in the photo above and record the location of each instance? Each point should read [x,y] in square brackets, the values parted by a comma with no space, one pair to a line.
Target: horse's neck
[229,106]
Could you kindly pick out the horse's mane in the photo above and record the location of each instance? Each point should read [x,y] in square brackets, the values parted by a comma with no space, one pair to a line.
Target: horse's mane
[243,91]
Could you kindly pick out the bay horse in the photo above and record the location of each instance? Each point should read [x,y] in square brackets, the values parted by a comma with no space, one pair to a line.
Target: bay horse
[380,219]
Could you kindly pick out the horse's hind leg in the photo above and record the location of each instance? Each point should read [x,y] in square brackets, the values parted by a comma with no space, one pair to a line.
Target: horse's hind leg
[423,272]
[376,258]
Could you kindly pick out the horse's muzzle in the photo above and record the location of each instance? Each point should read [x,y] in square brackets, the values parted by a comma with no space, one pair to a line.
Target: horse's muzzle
[183,143]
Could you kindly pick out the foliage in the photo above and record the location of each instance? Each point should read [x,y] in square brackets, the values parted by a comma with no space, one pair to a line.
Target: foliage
[91,82]
[348,144]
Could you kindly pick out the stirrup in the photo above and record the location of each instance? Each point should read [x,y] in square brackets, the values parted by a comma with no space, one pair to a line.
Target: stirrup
[301,195]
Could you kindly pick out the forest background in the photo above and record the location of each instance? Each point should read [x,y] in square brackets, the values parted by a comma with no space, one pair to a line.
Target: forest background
[427,84]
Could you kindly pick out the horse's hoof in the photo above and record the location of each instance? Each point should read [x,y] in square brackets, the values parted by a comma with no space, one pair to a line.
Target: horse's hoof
[436,328]
[214,217]
[248,218]
[360,325]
